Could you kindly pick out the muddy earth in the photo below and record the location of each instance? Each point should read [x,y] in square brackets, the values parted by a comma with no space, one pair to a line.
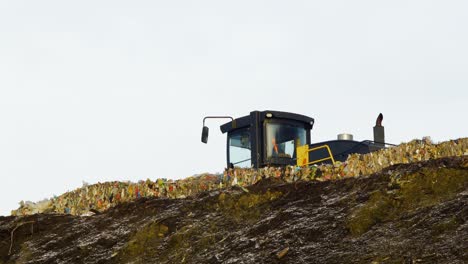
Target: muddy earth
[412,213]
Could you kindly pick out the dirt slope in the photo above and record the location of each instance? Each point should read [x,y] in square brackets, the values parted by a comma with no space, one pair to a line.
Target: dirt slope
[412,213]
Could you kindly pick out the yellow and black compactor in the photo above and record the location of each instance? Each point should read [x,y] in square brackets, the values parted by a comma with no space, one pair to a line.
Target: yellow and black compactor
[274,138]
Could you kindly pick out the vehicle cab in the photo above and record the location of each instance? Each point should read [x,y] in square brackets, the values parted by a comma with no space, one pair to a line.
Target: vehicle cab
[266,138]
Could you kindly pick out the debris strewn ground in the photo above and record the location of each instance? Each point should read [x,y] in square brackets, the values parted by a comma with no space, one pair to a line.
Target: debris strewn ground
[406,213]
[101,196]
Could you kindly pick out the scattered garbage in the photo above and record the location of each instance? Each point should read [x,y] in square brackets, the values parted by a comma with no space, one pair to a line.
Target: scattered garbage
[101,196]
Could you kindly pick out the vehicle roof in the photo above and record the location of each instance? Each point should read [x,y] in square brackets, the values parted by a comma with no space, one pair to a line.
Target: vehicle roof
[247,120]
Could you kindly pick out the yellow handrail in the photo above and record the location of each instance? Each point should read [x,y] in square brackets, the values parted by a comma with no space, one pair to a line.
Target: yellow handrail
[329,153]
[303,155]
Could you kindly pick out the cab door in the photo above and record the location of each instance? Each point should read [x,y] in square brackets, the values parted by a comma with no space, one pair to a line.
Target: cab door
[239,148]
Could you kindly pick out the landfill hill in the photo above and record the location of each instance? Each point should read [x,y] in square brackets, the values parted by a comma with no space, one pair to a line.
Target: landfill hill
[409,212]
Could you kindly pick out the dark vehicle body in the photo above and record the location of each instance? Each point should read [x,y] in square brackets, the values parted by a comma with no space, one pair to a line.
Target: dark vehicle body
[273,138]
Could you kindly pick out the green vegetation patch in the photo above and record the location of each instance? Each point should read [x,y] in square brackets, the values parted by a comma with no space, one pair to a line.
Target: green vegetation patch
[189,240]
[424,188]
[143,242]
[246,207]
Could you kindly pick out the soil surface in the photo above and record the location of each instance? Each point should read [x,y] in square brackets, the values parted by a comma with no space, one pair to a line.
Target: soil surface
[412,213]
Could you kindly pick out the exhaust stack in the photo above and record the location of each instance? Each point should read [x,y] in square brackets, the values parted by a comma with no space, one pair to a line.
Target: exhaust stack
[379,132]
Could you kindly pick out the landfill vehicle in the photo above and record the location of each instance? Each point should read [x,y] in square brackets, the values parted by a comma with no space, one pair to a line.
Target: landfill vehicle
[275,138]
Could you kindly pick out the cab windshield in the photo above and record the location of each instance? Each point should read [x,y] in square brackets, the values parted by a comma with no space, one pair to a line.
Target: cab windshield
[239,148]
[282,139]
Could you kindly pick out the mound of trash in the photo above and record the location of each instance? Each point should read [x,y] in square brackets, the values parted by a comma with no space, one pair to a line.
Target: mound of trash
[99,197]
[406,213]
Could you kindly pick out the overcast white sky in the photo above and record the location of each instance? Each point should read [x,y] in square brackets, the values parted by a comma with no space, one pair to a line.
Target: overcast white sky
[116,90]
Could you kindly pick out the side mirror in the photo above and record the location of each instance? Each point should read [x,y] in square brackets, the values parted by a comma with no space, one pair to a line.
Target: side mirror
[204,135]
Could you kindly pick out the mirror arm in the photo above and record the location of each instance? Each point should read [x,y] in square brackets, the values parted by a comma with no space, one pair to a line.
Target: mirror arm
[205,128]
[209,117]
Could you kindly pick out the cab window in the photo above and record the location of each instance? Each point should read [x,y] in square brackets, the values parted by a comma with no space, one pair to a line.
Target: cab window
[282,139]
[239,148]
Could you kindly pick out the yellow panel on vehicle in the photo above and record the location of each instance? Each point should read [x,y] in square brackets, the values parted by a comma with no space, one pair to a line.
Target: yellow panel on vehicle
[302,155]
